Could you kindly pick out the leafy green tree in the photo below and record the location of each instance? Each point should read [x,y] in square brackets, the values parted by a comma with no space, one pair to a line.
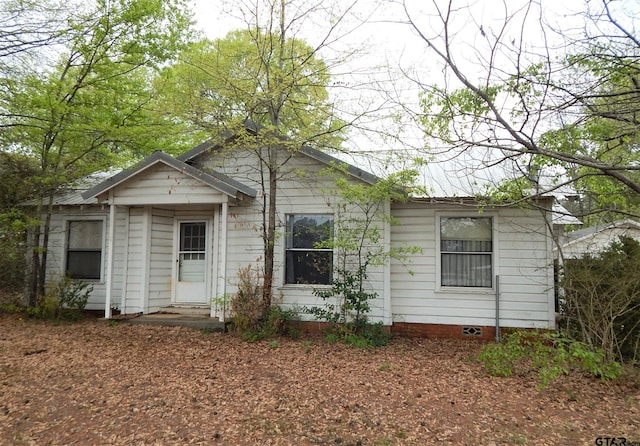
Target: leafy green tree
[16,171]
[601,302]
[266,87]
[360,213]
[613,132]
[531,97]
[88,111]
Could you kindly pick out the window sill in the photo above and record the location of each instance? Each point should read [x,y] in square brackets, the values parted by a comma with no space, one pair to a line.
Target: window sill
[303,286]
[465,290]
[90,281]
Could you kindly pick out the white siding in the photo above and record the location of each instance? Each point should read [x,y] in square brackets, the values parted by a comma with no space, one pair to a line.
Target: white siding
[598,241]
[159,265]
[117,283]
[162,184]
[300,190]
[144,264]
[56,255]
[134,289]
[161,260]
[521,258]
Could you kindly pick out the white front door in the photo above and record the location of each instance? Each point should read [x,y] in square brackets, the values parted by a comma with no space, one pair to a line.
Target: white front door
[192,263]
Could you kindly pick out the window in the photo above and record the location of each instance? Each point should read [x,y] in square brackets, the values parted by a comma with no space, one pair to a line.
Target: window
[192,256]
[466,249]
[309,259]
[84,249]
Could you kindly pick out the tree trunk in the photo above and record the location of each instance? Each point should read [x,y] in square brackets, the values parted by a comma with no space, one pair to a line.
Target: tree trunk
[42,274]
[269,242]
[33,267]
[33,260]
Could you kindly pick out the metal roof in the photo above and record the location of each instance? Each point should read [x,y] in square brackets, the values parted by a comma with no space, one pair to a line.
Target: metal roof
[72,195]
[586,232]
[306,150]
[562,216]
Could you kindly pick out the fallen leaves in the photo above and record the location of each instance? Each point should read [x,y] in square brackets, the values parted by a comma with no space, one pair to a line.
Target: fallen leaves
[97,383]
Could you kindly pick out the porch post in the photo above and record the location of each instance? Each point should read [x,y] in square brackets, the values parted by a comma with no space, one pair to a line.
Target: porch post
[110,251]
[222,262]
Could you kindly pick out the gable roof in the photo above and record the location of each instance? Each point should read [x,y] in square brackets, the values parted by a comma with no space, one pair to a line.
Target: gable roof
[561,215]
[72,195]
[306,150]
[216,180]
[585,233]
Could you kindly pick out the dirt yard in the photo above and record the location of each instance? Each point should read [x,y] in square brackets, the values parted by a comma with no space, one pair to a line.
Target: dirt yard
[95,383]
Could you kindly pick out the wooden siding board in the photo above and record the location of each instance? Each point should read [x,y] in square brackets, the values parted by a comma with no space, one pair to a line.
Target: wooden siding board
[427,305]
[161,259]
[521,260]
[118,256]
[165,185]
[56,255]
[134,270]
[298,192]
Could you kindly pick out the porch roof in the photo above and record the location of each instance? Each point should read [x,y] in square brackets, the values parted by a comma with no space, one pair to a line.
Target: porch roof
[216,180]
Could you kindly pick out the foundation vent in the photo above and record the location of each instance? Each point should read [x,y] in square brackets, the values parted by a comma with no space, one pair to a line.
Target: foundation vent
[472,331]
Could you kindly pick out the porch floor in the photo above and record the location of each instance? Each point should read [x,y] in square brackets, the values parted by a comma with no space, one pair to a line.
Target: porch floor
[197,322]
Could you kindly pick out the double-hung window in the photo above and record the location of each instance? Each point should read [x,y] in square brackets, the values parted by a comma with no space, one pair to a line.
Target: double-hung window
[309,257]
[84,249]
[466,252]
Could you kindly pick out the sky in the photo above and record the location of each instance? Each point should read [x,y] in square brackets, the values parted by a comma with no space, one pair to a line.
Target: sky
[389,56]
[385,44]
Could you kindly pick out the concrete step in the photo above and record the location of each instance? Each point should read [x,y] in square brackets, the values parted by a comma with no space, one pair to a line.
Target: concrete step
[188,310]
[178,320]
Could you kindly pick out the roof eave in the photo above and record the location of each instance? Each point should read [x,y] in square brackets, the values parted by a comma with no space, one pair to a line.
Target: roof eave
[216,180]
[329,160]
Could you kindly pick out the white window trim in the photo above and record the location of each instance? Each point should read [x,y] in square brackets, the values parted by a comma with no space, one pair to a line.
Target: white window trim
[283,274]
[211,247]
[494,253]
[65,245]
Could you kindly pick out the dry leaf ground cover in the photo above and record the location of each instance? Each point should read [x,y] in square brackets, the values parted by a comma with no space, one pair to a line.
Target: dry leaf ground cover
[95,383]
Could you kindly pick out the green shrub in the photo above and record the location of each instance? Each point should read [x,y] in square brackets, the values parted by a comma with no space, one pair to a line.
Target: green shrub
[65,299]
[276,322]
[246,304]
[11,308]
[601,299]
[374,334]
[250,320]
[13,262]
[366,336]
[549,354]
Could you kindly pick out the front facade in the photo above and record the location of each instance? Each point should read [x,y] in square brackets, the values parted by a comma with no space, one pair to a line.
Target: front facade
[477,270]
[175,232]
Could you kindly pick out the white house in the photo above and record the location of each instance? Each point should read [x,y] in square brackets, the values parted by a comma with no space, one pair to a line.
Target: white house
[595,238]
[173,232]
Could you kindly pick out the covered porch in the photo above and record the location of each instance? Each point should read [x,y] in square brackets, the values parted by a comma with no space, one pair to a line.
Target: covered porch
[166,239]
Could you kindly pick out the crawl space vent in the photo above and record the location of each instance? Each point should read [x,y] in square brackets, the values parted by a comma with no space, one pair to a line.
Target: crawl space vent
[471,331]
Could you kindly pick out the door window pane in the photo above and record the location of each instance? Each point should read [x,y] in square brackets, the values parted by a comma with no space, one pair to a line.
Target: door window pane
[192,236]
[192,257]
